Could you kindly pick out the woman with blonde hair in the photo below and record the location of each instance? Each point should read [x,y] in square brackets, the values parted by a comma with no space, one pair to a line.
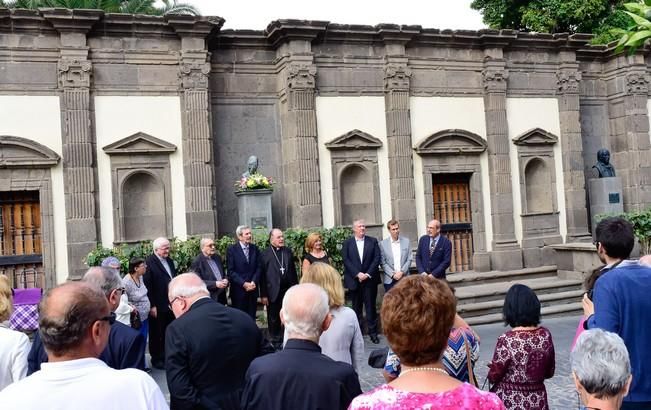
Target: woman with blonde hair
[14,346]
[314,251]
[343,340]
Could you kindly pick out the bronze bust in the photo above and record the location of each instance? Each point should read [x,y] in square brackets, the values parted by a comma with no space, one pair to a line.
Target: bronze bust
[252,165]
[603,166]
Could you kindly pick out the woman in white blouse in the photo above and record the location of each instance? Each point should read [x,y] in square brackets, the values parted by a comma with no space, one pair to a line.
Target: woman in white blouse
[343,340]
[14,346]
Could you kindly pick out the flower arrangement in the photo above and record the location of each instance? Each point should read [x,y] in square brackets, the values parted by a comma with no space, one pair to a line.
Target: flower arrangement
[254,181]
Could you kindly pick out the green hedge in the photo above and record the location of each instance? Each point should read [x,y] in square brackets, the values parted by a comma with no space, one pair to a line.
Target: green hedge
[183,252]
[641,221]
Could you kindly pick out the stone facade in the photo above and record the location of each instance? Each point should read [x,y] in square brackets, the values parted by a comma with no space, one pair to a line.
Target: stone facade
[244,92]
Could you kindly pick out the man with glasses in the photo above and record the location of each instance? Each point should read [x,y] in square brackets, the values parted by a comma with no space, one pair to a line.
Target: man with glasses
[75,323]
[207,348]
[208,265]
[434,252]
[126,346]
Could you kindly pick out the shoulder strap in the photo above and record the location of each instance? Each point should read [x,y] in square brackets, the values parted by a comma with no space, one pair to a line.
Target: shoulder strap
[471,375]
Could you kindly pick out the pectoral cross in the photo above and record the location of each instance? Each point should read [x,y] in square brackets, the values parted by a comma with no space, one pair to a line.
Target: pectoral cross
[282,270]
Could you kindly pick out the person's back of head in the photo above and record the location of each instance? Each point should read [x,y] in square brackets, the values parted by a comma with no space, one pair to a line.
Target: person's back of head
[305,312]
[6,299]
[327,277]
[184,290]
[70,321]
[601,368]
[108,281]
[616,236]
[521,306]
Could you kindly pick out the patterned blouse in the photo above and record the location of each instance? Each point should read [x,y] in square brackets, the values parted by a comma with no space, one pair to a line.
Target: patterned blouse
[464,397]
[523,359]
[137,296]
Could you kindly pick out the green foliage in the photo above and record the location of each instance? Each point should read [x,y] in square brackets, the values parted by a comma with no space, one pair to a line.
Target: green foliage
[637,33]
[555,16]
[109,6]
[641,221]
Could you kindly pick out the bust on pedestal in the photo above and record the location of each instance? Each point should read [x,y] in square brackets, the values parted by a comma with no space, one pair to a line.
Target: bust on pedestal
[254,197]
[604,191]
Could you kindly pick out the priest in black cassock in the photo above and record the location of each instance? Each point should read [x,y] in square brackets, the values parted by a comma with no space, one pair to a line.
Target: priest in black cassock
[278,275]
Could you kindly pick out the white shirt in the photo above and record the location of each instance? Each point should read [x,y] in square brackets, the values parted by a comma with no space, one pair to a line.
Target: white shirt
[360,248]
[395,250]
[14,347]
[83,384]
[123,312]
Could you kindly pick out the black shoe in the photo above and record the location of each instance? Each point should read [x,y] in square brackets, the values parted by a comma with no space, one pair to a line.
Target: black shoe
[375,339]
[158,364]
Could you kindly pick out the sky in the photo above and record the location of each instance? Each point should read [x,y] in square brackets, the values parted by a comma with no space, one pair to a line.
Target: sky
[257,14]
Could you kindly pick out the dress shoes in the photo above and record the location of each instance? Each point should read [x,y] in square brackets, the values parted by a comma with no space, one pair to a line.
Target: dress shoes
[375,339]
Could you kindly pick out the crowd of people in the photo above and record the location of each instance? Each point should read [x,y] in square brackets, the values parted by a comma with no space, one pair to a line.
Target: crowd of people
[89,351]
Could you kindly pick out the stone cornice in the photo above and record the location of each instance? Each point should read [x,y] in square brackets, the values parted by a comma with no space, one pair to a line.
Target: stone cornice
[281,31]
[194,26]
[72,21]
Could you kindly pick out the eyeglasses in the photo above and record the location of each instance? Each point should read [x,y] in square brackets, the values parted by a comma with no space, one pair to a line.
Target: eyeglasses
[212,245]
[121,290]
[174,300]
[110,318]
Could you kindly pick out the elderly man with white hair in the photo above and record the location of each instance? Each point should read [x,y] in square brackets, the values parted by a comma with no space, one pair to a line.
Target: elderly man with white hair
[208,348]
[601,369]
[300,376]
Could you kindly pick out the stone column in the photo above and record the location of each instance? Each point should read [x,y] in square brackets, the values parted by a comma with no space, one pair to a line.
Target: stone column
[506,254]
[401,170]
[198,157]
[568,78]
[79,155]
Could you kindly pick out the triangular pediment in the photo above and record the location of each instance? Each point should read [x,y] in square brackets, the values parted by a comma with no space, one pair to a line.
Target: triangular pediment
[452,142]
[536,136]
[17,152]
[354,139]
[139,143]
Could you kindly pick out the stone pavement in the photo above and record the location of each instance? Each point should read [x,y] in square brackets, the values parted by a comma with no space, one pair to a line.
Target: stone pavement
[560,389]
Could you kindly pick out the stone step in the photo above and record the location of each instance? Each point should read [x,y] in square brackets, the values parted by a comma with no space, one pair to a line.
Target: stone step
[458,280]
[496,291]
[565,309]
[468,310]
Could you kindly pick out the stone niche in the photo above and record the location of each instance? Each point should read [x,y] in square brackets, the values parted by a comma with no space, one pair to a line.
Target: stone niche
[140,182]
[355,179]
[540,225]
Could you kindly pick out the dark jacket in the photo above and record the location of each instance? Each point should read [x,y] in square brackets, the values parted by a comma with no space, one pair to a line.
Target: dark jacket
[125,349]
[439,262]
[207,352]
[201,267]
[352,264]
[270,278]
[156,280]
[299,377]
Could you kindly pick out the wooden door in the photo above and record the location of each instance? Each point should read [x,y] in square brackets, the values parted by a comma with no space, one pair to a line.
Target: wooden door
[21,256]
[451,198]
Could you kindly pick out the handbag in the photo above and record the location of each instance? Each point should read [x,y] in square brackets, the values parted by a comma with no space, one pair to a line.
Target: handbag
[25,315]
[134,318]
[471,373]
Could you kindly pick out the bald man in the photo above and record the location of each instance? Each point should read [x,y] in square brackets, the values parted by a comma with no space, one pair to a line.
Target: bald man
[434,252]
[208,347]
[300,376]
[74,323]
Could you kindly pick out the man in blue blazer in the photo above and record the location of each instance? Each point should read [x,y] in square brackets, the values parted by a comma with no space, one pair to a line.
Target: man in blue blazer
[361,255]
[434,252]
[243,259]
[396,255]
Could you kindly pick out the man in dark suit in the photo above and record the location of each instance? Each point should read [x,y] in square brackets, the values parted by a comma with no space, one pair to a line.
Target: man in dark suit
[159,273]
[361,255]
[208,348]
[208,265]
[300,376]
[278,275]
[434,252]
[243,260]
[126,346]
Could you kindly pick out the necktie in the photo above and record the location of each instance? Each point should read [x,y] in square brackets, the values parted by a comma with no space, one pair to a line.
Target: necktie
[431,247]
[246,252]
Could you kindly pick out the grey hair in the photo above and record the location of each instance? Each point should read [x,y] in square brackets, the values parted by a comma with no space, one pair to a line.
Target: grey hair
[65,332]
[240,229]
[305,306]
[106,279]
[204,241]
[160,242]
[600,362]
[185,291]
[358,220]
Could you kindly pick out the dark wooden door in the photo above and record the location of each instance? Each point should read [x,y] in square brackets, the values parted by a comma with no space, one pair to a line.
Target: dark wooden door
[21,256]
[451,197]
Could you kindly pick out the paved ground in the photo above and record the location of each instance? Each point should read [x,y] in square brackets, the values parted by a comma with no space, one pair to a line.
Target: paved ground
[560,388]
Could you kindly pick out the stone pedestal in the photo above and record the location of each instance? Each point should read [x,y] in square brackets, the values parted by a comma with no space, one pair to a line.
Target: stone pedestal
[576,260]
[605,197]
[254,208]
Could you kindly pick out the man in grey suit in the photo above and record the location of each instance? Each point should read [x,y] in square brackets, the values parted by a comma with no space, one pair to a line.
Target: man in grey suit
[396,256]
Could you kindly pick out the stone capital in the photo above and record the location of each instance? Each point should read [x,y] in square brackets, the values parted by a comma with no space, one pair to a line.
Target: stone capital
[494,79]
[397,77]
[74,73]
[637,83]
[301,76]
[568,81]
[194,75]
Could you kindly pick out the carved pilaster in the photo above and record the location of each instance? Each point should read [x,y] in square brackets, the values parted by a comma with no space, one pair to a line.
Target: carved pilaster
[637,83]
[401,172]
[74,73]
[194,75]
[506,254]
[568,81]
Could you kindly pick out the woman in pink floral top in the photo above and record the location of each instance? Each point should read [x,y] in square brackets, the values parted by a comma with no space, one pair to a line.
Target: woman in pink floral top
[417,316]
